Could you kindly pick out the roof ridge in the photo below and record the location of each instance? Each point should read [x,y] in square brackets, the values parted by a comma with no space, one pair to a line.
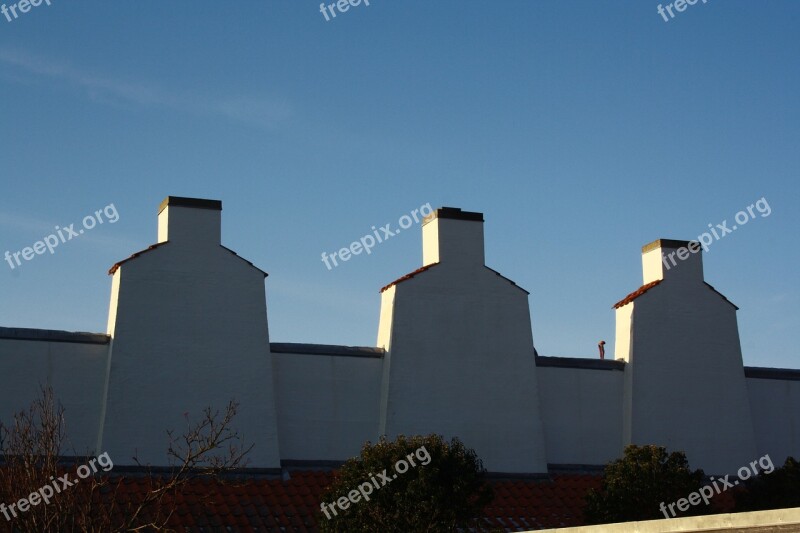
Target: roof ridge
[409,276]
[635,294]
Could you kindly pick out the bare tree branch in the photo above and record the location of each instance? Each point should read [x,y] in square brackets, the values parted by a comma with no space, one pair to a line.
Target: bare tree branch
[33,457]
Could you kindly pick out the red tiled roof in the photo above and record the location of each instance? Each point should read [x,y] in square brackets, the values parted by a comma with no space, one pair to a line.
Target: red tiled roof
[423,269]
[293,505]
[154,246]
[635,294]
[409,276]
[644,288]
[116,266]
[540,504]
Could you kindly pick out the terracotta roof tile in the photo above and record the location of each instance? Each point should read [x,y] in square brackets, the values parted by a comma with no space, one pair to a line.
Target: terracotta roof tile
[293,505]
[116,266]
[644,288]
[635,294]
[409,276]
[423,269]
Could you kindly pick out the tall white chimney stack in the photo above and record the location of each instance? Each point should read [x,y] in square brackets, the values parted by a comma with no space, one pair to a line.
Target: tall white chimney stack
[667,259]
[190,221]
[453,236]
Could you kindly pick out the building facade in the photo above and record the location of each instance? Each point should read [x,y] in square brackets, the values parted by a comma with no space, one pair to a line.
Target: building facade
[188,328]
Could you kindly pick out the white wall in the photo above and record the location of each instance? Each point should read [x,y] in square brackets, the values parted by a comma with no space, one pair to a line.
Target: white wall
[190,331]
[686,387]
[75,372]
[582,414]
[775,406]
[460,358]
[622,344]
[461,363]
[328,406]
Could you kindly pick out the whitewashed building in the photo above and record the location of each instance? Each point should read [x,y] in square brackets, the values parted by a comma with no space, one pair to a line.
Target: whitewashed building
[188,328]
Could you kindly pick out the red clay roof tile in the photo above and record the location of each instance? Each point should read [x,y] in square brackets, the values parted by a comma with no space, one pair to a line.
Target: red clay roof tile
[409,276]
[116,266]
[635,294]
[293,505]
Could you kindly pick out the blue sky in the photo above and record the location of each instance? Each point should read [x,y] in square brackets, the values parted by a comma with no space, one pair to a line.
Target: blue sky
[582,130]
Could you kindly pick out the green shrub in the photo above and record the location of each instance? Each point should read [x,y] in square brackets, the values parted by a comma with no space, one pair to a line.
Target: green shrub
[446,490]
[635,486]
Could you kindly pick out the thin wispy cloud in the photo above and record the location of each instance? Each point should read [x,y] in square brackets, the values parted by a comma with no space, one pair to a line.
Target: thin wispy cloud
[257,111]
[18,231]
[15,222]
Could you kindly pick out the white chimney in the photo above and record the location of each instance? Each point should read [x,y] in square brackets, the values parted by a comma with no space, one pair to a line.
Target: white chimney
[453,236]
[667,259]
[190,221]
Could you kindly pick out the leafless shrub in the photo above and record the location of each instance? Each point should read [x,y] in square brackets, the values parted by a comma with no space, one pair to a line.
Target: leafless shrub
[33,447]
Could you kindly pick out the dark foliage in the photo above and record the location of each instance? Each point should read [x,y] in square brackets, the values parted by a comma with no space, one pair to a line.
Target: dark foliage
[635,486]
[445,491]
[779,489]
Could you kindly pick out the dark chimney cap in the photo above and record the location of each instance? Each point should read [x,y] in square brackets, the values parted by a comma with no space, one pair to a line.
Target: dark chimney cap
[454,213]
[197,203]
[667,243]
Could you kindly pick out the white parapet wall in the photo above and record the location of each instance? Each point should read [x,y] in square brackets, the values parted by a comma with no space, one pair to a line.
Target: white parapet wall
[328,400]
[780,520]
[581,402]
[775,403]
[72,364]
